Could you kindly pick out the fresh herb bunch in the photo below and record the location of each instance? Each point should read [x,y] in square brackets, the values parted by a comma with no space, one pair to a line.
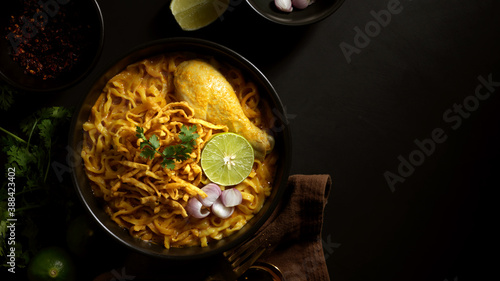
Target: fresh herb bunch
[30,150]
[31,156]
[178,152]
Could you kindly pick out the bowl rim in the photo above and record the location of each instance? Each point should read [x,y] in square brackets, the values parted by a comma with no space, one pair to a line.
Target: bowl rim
[78,78]
[329,12]
[228,55]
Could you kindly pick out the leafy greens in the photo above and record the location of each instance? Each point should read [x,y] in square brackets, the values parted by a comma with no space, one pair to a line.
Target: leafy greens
[178,152]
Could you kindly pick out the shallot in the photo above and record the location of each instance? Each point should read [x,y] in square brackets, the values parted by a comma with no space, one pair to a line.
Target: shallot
[195,208]
[302,4]
[221,203]
[220,210]
[231,197]
[213,192]
[284,5]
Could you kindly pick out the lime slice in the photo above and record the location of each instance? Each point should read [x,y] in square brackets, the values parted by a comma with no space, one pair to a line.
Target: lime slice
[227,159]
[195,14]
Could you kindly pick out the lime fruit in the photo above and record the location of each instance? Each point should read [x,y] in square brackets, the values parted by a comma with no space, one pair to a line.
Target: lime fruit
[227,159]
[195,14]
[51,263]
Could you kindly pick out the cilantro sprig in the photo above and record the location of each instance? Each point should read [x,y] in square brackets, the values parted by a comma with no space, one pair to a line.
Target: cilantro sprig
[30,149]
[6,96]
[31,155]
[178,152]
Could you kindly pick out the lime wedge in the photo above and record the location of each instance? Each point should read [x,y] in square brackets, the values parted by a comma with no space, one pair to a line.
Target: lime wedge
[195,14]
[227,159]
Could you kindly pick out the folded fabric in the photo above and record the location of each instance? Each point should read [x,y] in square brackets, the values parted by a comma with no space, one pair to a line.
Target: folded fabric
[292,235]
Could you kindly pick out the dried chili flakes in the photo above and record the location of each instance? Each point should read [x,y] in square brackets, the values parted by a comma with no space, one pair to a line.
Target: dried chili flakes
[47,38]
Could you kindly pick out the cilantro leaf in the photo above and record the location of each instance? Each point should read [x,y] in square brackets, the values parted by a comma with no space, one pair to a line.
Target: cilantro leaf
[58,112]
[46,130]
[172,153]
[140,132]
[154,142]
[188,134]
[169,163]
[6,142]
[21,158]
[148,146]
[148,153]
[56,115]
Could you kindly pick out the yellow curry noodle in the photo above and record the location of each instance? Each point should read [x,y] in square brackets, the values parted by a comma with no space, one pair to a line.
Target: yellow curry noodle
[138,193]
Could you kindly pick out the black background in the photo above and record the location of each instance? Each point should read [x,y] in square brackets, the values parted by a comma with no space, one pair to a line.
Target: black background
[353,120]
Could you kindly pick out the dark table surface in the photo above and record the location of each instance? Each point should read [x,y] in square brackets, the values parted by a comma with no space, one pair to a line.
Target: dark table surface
[399,111]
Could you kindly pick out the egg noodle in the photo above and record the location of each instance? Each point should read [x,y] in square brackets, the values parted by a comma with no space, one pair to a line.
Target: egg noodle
[138,193]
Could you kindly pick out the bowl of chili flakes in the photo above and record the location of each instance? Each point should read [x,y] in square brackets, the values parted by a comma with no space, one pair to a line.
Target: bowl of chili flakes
[49,45]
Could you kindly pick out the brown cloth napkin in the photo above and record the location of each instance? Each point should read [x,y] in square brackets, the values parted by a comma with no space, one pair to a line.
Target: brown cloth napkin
[291,236]
[293,233]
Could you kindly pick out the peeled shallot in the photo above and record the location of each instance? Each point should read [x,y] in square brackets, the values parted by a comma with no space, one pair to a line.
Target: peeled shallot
[221,203]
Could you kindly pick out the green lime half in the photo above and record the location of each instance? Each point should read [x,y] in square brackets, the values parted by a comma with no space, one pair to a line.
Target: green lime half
[227,159]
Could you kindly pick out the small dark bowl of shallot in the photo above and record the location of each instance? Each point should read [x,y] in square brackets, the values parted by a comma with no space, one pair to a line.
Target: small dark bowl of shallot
[303,11]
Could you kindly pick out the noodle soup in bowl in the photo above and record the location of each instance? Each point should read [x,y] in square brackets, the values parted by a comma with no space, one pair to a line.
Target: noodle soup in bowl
[143,203]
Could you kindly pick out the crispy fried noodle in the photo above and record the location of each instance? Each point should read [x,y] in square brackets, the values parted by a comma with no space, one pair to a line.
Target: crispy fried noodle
[138,193]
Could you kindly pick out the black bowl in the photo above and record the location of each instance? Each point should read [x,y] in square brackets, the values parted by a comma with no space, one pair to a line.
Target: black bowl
[319,10]
[85,16]
[280,129]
